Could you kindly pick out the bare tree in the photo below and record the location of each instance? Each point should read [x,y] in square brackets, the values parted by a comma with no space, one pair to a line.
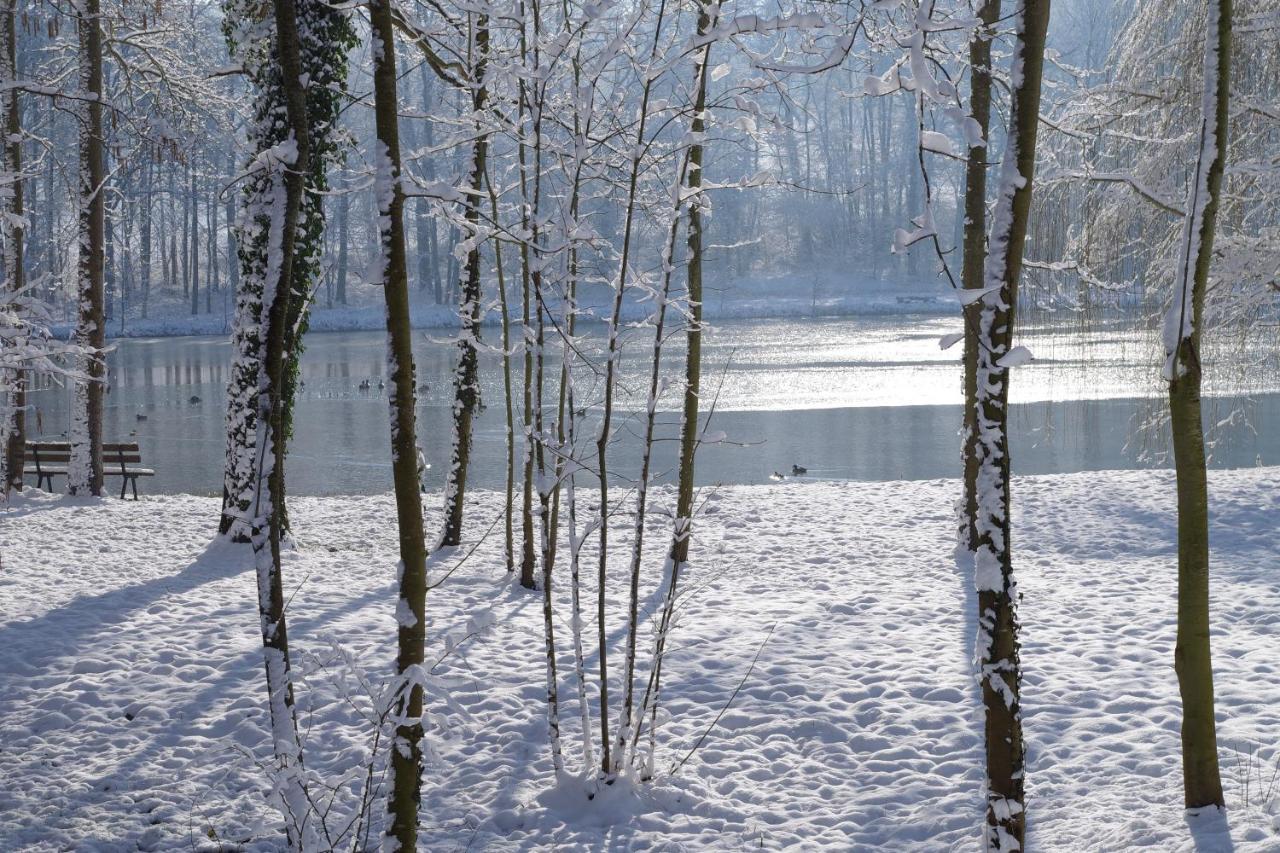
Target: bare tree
[84,474]
[13,234]
[1202,783]
[406,750]
[975,252]
[997,652]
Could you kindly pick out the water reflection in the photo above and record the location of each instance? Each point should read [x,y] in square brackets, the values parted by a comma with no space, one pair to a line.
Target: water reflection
[859,398]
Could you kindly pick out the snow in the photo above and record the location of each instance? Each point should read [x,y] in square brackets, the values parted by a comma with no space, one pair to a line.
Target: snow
[818,294]
[1015,357]
[938,143]
[132,708]
[1197,239]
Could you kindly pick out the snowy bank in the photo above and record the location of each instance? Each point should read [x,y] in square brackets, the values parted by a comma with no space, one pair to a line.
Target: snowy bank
[131,704]
[799,296]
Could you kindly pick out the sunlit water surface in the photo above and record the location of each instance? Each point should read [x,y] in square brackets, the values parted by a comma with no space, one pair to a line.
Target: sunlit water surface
[850,398]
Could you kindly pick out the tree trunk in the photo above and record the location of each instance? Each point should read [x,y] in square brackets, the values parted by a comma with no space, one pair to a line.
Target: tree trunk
[233,248]
[186,238]
[267,509]
[11,266]
[1202,783]
[325,35]
[144,271]
[627,721]
[997,650]
[682,527]
[195,246]
[508,403]
[110,279]
[85,470]
[466,380]
[975,254]
[344,238]
[406,753]
[211,250]
[528,557]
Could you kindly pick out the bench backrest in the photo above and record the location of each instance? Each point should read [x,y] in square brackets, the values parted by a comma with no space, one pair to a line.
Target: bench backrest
[121,454]
[59,453]
[40,453]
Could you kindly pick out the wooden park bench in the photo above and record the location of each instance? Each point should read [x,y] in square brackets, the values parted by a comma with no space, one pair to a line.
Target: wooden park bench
[49,459]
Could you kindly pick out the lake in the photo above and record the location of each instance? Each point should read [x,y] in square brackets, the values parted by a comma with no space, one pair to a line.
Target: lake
[865,398]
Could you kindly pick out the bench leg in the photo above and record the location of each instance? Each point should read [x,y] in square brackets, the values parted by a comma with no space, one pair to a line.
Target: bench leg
[124,485]
[134,481]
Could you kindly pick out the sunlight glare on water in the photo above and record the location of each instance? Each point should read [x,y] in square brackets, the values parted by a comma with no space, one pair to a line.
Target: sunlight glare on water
[847,398]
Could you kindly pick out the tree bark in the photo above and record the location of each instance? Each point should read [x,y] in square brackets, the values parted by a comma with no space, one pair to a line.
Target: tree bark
[325,35]
[1202,783]
[508,403]
[344,237]
[14,237]
[528,552]
[406,753]
[233,242]
[997,651]
[682,527]
[144,263]
[975,254]
[267,526]
[466,374]
[85,470]
[195,246]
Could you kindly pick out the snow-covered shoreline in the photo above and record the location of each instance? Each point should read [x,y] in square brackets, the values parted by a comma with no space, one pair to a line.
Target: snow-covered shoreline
[747,305]
[130,674]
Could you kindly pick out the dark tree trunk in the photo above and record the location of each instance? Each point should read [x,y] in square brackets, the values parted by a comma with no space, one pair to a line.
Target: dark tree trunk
[14,239]
[998,644]
[975,253]
[267,527]
[344,238]
[195,246]
[406,754]
[466,373]
[1202,782]
[86,434]
[144,272]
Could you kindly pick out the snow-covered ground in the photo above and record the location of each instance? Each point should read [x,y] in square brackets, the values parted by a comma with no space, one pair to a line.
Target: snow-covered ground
[131,704]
